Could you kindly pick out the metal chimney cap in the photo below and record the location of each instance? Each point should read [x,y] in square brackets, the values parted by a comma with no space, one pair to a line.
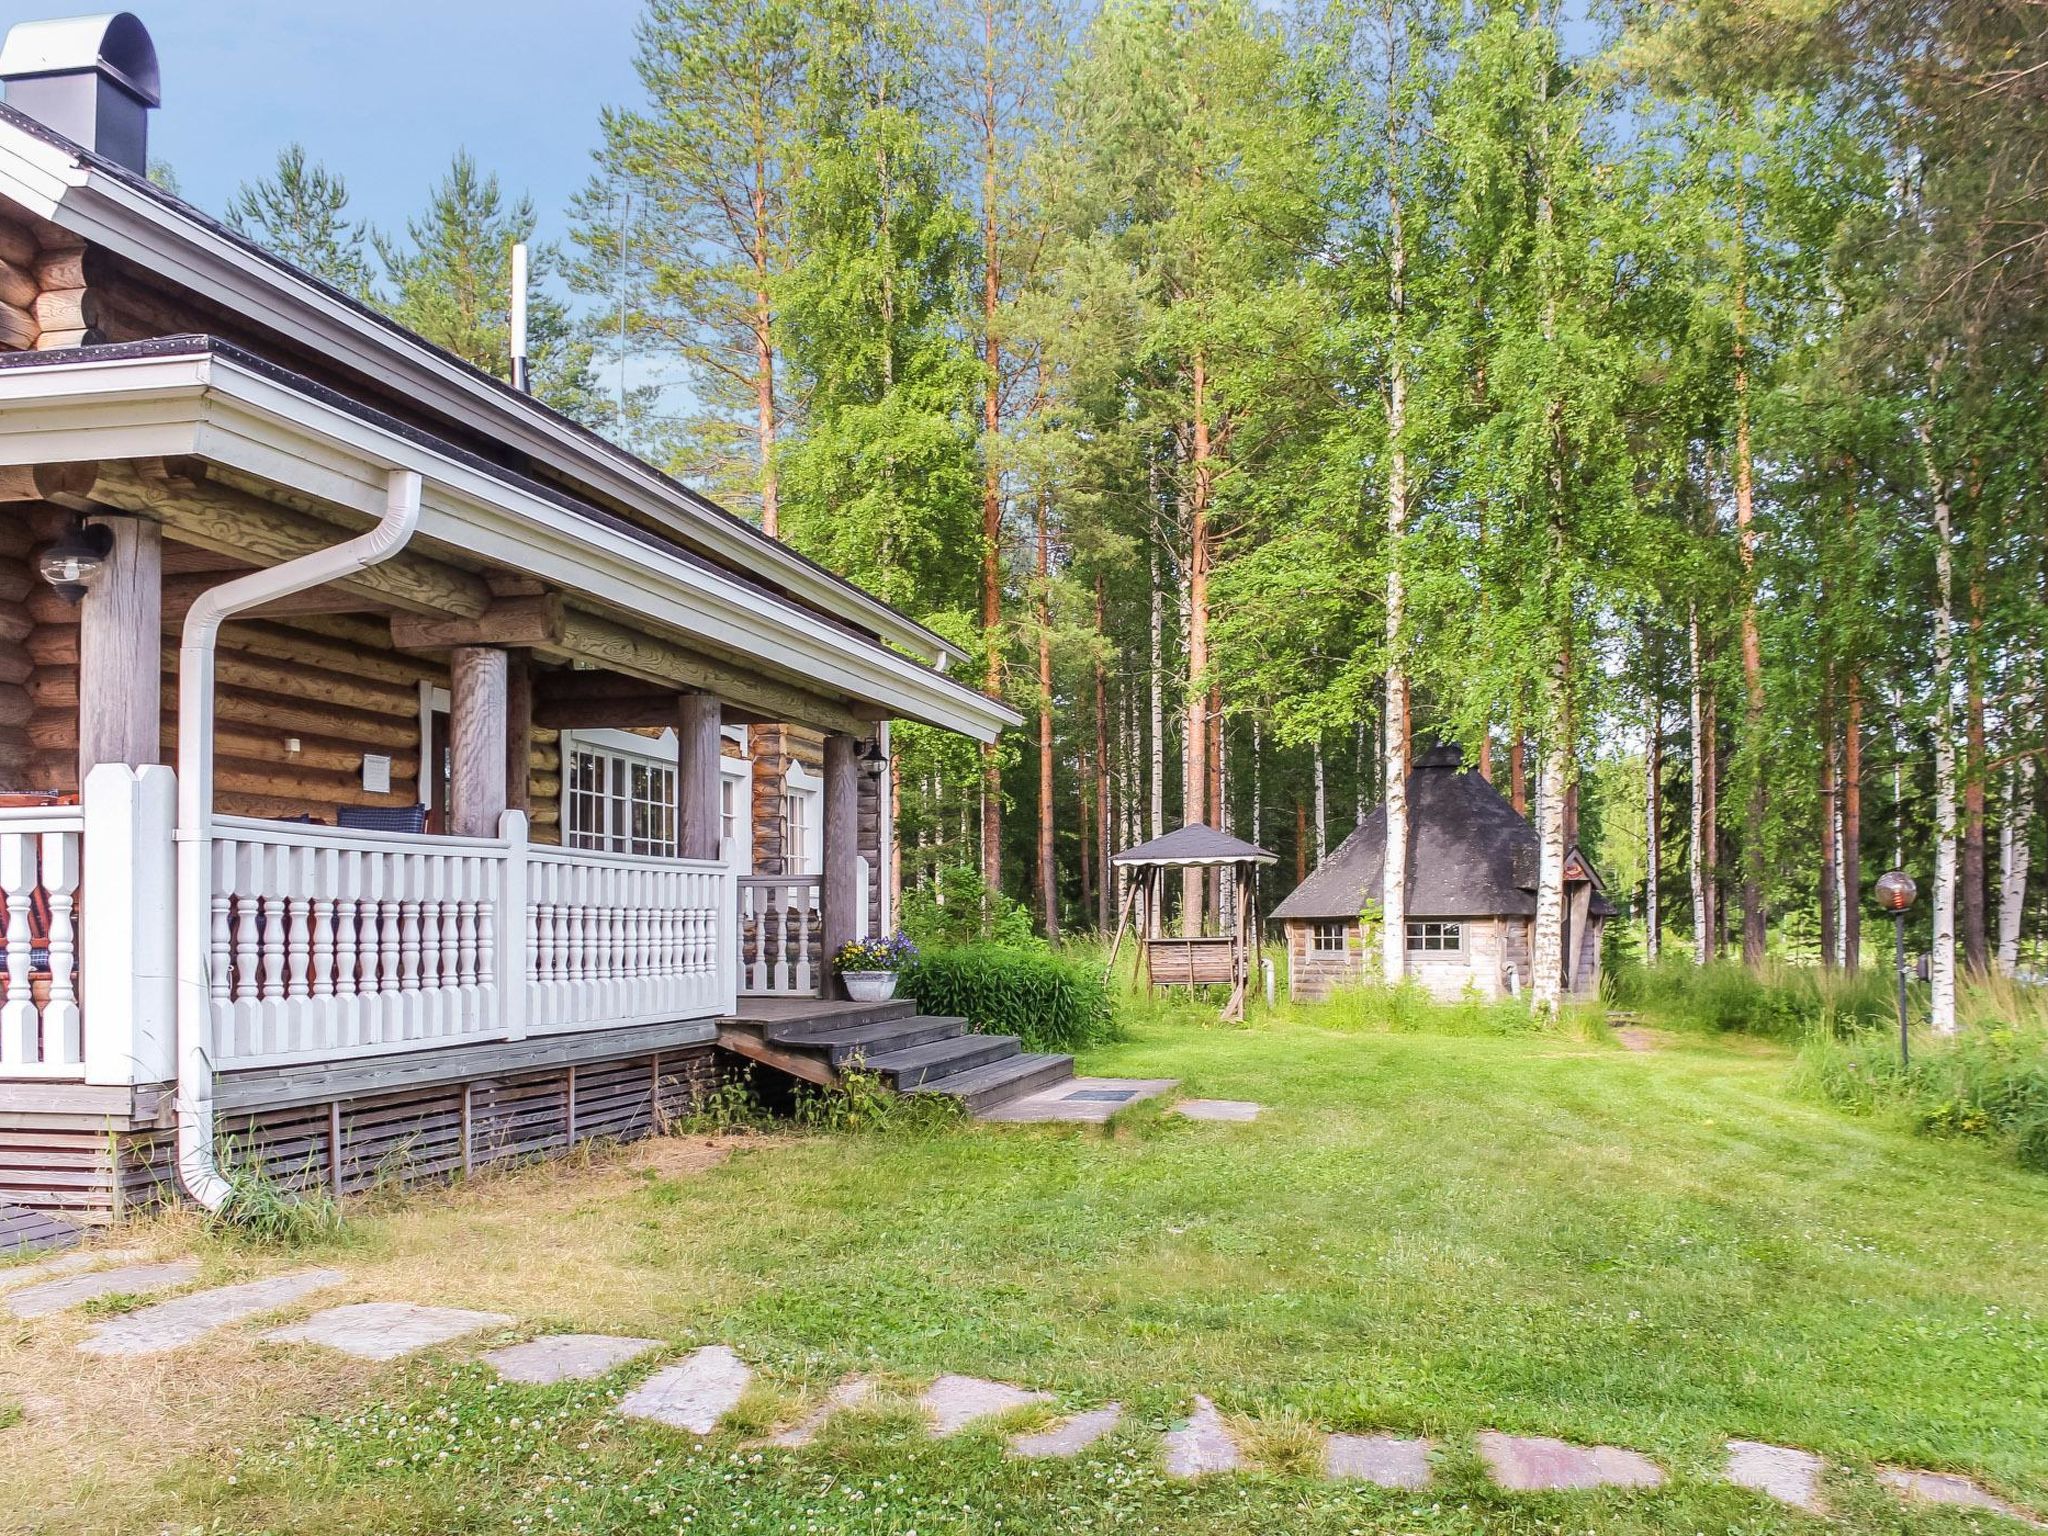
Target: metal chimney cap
[115,45]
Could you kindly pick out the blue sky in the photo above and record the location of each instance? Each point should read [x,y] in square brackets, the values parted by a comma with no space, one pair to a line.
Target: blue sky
[384,92]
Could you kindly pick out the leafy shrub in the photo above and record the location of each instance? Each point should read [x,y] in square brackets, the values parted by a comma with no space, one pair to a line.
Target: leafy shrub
[1784,1002]
[1049,1002]
[862,1102]
[1989,1084]
[962,910]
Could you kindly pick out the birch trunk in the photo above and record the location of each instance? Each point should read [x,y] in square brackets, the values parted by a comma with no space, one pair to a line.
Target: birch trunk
[1852,828]
[2015,851]
[1653,837]
[1322,807]
[1195,798]
[1394,870]
[1546,949]
[1942,965]
[1157,787]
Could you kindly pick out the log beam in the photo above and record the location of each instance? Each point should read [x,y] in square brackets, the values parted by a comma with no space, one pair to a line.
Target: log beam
[509,621]
[476,747]
[46,482]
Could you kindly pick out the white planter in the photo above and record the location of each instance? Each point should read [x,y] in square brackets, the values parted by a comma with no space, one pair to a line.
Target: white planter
[869,986]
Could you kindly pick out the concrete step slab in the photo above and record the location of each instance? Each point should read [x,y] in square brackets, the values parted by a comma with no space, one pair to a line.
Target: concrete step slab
[693,1394]
[1234,1110]
[1070,1436]
[954,1402]
[1790,1476]
[173,1324]
[1540,1464]
[123,1280]
[1389,1461]
[385,1330]
[15,1275]
[854,1392]
[1953,1489]
[1079,1100]
[565,1357]
[1203,1446]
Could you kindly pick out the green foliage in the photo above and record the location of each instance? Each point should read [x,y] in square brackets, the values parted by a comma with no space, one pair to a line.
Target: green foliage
[732,1105]
[1985,1084]
[861,1103]
[299,212]
[962,910]
[1783,1002]
[1411,1008]
[264,1211]
[1049,1002]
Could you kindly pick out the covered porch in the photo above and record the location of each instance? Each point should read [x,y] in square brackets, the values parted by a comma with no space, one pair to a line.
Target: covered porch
[294,759]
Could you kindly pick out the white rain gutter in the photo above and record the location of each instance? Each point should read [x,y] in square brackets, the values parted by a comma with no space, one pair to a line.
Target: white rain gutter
[197,1171]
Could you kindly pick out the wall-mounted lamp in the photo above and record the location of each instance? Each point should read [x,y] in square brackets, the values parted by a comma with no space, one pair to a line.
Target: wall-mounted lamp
[74,562]
[874,762]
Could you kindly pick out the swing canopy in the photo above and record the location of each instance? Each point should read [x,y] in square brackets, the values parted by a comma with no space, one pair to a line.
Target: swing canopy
[1194,959]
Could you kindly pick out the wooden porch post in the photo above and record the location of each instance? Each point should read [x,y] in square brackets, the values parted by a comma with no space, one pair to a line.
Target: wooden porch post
[120,664]
[839,895]
[477,741]
[698,818]
[519,730]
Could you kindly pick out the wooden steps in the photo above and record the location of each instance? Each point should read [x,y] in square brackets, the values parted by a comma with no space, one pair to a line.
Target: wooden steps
[909,1051]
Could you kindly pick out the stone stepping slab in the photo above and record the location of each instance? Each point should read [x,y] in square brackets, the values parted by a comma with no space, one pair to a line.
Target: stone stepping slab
[1953,1489]
[125,1280]
[385,1330]
[1203,1445]
[565,1357]
[1540,1464]
[693,1394]
[65,1264]
[172,1324]
[1790,1476]
[954,1402]
[854,1392]
[1081,1100]
[1237,1110]
[1070,1436]
[1391,1461]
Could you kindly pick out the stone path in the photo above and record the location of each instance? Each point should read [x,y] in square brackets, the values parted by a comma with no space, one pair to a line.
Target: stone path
[1949,1488]
[1388,1460]
[954,1402]
[384,1330]
[1069,1436]
[693,1394]
[1218,1109]
[124,1280]
[65,1264]
[1539,1464]
[565,1357]
[1081,1100]
[170,1324]
[854,1392]
[1203,1445]
[1787,1475]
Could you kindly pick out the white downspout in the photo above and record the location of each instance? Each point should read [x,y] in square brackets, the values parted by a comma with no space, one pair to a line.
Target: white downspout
[197,1171]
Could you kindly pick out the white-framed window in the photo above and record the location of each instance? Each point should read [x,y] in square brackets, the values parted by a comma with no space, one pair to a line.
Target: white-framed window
[1436,938]
[619,802]
[803,832]
[1330,938]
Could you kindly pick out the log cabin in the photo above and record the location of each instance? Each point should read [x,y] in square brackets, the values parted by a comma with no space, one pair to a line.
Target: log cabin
[1471,897]
[395,777]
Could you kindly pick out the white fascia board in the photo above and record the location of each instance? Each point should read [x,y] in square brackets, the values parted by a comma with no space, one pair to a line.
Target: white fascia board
[217,410]
[104,210]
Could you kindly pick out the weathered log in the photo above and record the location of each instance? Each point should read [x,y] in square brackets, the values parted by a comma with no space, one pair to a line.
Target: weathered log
[15,665]
[509,622]
[40,482]
[18,328]
[182,591]
[50,645]
[233,775]
[51,341]
[66,309]
[54,688]
[15,625]
[326,754]
[53,730]
[15,705]
[62,267]
[18,245]
[297,717]
[233,669]
[18,285]
[120,677]
[233,522]
[280,644]
[16,582]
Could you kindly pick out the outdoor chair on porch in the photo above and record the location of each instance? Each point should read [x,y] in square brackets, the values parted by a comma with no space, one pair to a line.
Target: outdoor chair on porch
[382,818]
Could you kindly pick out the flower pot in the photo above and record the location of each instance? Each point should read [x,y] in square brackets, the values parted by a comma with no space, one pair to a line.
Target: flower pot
[869,986]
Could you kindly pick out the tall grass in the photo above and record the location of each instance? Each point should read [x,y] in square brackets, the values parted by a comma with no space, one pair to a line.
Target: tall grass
[1988,1083]
[1785,1002]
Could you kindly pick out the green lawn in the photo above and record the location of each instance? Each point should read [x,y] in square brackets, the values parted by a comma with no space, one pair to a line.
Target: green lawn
[1425,1233]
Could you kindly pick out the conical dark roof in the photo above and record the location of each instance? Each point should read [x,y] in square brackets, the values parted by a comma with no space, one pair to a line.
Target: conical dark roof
[1195,843]
[1469,853]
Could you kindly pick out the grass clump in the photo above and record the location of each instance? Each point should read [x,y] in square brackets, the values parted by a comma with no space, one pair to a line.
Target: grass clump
[1049,1002]
[269,1212]
[1781,1002]
[862,1103]
[1984,1084]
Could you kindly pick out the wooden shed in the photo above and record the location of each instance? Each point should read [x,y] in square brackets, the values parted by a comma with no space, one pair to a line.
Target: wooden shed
[1472,867]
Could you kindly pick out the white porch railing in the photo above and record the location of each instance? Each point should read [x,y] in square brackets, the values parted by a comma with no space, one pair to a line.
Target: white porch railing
[781,930]
[614,939]
[329,944]
[40,1022]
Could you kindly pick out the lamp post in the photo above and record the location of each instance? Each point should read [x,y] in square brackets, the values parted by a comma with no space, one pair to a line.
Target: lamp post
[1895,893]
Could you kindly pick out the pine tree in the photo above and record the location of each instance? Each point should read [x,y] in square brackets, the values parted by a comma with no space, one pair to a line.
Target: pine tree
[299,212]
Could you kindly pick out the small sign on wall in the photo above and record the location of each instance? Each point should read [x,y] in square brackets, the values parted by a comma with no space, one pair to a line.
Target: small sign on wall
[376,773]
